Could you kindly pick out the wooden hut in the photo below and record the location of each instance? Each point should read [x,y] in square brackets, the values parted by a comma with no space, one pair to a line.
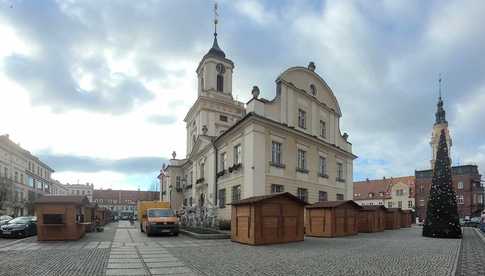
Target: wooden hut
[89,216]
[60,217]
[101,216]
[268,219]
[393,218]
[406,218]
[372,219]
[332,218]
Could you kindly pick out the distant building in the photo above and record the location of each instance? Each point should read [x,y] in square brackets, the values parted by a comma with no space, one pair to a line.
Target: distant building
[23,178]
[57,188]
[80,189]
[466,179]
[394,192]
[122,201]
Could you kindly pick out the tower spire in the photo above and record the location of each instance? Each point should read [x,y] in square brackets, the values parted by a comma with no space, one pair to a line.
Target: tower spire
[216,50]
[440,112]
[216,15]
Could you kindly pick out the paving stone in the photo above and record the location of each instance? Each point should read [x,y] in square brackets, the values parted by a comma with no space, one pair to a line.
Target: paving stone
[123,256]
[126,265]
[472,254]
[133,271]
[165,264]
[170,270]
[156,260]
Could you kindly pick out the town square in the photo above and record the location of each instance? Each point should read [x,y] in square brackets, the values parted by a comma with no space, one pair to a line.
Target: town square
[244,137]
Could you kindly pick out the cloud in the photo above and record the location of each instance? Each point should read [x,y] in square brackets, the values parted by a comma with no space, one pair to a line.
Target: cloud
[86,164]
[161,119]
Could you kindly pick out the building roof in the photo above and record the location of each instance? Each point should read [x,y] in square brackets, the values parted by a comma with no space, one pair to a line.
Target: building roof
[256,199]
[333,204]
[78,200]
[373,207]
[379,188]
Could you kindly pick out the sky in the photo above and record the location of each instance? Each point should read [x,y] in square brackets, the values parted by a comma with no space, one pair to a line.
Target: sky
[99,89]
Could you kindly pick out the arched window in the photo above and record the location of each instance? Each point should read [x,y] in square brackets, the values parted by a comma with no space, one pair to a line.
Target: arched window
[220,83]
[313,90]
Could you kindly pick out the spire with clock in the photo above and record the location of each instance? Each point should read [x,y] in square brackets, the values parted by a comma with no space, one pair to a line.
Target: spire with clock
[215,109]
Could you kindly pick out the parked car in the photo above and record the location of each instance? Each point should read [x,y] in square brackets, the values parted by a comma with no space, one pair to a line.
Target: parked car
[5,219]
[19,227]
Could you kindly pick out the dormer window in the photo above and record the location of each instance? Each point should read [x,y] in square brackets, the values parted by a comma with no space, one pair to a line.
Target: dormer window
[220,83]
[313,90]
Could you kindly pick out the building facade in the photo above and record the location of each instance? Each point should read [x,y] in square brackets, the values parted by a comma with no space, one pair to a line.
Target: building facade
[394,192]
[122,201]
[291,143]
[23,178]
[80,189]
[466,179]
[57,188]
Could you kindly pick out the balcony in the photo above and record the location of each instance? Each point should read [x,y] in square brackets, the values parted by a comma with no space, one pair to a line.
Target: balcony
[221,173]
[235,167]
[200,180]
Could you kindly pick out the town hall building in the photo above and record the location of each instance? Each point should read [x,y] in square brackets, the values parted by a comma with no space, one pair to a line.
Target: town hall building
[237,150]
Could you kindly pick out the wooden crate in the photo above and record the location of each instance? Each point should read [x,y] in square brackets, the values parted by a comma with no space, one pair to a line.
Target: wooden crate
[276,218]
[60,217]
[332,218]
[393,218]
[372,219]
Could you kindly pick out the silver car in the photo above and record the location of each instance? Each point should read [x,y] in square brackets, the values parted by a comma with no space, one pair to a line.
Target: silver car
[5,219]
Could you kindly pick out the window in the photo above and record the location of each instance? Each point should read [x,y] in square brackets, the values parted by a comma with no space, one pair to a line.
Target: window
[53,219]
[201,173]
[223,118]
[222,198]
[191,177]
[302,194]
[322,196]
[275,188]
[340,172]
[389,204]
[323,129]
[301,118]
[276,153]
[322,167]
[185,202]
[301,160]
[460,199]
[371,195]
[22,178]
[399,204]
[236,193]
[410,204]
[460,185]
[340,197]
[421,202]
[313,90]
[237,155]
[421,188]
[16,177]
[399,192]
[177,181]
[222,163]
[190,201]
[220,83]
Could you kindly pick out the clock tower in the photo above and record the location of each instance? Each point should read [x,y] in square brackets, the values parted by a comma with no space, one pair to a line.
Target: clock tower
[215,109]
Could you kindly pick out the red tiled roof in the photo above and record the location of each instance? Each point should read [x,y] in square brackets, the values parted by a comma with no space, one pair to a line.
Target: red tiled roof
[363,188]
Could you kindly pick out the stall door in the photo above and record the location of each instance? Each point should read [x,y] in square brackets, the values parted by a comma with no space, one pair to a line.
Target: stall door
[339,221]
[271,214]
[242,223]
[317,221]
[290,222]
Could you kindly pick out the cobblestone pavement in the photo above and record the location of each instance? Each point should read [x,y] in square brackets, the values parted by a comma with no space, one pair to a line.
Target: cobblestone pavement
[472,255]
[397,252]
[123,250]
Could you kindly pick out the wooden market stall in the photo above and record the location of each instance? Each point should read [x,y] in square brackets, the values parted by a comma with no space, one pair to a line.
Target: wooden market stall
[60,217]
[406,218]
[372,219]
[275,218]
[393,218]
[332,218]
[102,216]
[90,216]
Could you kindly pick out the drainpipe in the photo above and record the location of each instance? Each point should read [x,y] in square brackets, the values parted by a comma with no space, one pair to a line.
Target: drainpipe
[216,155]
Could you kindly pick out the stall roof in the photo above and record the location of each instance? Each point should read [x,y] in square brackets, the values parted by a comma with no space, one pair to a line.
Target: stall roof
[332,204]
[256,199]
[79,200]
[373,207]
[393,209]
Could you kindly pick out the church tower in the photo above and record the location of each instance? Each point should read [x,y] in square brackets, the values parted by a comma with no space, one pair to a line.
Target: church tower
[215,109]
[439,124]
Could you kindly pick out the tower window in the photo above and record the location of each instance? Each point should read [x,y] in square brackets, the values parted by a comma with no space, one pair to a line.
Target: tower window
[313,90]
[223,118]
[220,83]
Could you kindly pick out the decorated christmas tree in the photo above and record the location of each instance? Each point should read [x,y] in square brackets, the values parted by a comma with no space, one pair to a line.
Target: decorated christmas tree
[442,219]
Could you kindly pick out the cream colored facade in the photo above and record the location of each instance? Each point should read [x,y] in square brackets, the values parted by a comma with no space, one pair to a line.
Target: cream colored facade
[238,151]
[23,178]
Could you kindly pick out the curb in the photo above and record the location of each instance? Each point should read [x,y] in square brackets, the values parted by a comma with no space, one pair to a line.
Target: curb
[480,234]
[457,259]
[18,241]
[205,236]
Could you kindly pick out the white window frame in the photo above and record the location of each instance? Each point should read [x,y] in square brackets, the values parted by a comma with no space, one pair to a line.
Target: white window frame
[301,159]
[302,118]
[276,154]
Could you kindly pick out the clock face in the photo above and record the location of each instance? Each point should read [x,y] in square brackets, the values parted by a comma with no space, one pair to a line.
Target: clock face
[220,68]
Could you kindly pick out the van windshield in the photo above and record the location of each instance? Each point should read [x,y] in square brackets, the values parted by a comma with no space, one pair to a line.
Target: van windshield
[160,213]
